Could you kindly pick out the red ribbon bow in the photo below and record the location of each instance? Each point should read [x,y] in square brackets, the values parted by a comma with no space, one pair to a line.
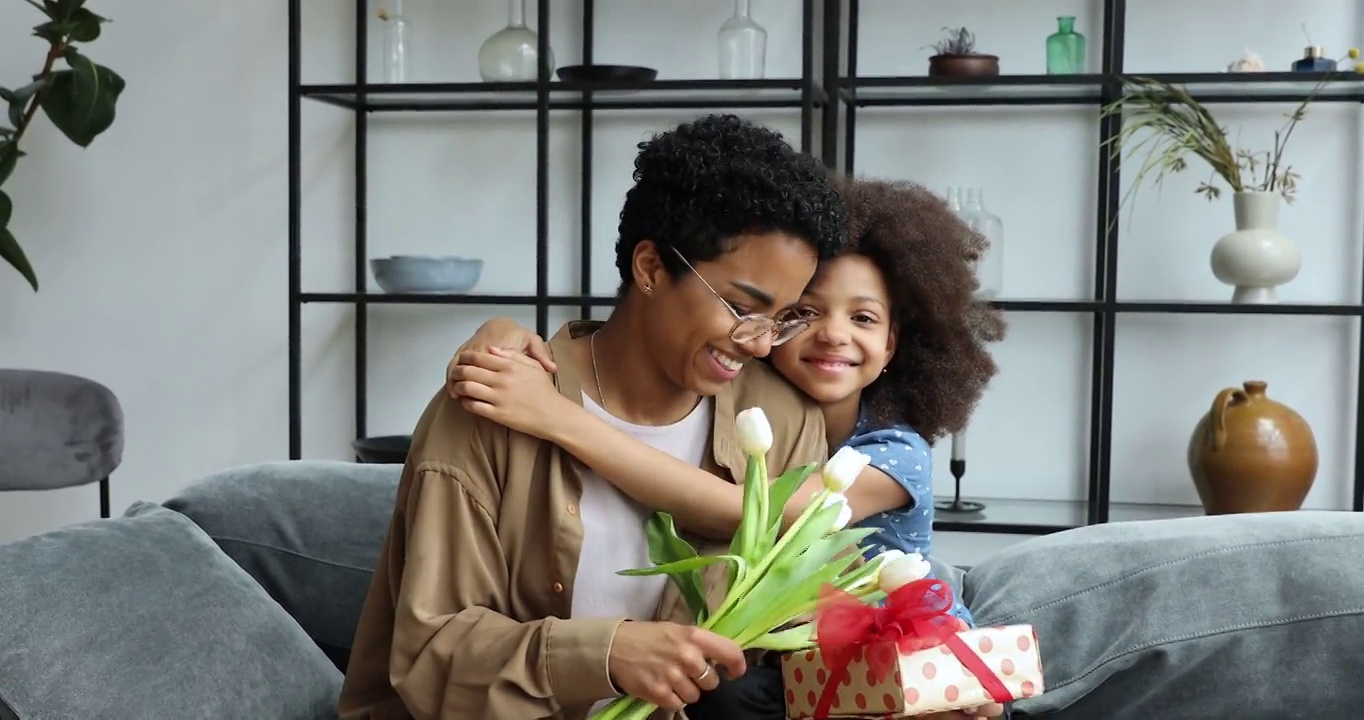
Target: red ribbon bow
[912,618]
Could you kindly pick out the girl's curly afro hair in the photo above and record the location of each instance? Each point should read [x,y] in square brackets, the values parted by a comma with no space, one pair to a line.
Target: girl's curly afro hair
[941,365]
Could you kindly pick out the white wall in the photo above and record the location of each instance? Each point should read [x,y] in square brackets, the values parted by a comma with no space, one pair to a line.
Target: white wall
[170,284]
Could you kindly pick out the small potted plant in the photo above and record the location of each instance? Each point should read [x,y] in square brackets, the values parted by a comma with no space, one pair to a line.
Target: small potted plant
[956,56]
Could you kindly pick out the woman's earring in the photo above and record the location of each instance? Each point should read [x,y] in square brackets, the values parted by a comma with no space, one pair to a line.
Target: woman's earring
[648,289]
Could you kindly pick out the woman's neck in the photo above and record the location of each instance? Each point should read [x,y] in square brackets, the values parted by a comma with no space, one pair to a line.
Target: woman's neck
[840,417]
[633,388]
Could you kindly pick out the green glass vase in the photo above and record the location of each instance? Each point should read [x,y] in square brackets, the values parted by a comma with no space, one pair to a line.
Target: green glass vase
[1065,49]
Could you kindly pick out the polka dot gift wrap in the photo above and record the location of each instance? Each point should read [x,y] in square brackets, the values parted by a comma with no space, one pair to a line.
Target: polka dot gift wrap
[922,682]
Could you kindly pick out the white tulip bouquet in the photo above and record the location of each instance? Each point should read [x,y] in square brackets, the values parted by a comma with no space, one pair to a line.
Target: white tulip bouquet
[776,578]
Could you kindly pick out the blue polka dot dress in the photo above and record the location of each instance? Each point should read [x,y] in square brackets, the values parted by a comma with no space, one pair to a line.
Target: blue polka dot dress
[902,454]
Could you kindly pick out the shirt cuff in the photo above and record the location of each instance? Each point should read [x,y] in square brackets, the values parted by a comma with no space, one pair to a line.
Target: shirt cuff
[577,655]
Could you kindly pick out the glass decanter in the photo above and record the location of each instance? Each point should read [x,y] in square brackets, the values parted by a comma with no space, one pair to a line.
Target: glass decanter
[510,54]
[990,268]
[1065,49]
[394,26]
[743,45]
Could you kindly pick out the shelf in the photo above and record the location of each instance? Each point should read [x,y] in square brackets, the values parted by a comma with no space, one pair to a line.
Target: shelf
[1042,517]
[521,299]
[1266,87]
[924,91]
[1185,307]
[1047,305]
[659,94]
[1162,307]
[1033,90]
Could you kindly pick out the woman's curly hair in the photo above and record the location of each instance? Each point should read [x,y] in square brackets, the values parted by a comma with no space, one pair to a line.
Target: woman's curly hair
[704,182]
[941,365]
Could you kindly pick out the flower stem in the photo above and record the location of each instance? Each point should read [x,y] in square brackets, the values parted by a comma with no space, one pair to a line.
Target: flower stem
[754,574]
[625,707]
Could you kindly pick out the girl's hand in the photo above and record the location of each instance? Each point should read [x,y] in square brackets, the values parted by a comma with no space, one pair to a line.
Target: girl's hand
[505,334]
[508,388]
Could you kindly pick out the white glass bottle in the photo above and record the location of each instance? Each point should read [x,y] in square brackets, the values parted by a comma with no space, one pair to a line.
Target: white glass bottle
[743,45]
[954,200]
[990,268]
[395,43]
[510,54]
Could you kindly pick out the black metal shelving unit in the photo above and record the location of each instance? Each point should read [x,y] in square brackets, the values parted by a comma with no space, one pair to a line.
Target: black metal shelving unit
[362,98]
[1105,307]
[827,95]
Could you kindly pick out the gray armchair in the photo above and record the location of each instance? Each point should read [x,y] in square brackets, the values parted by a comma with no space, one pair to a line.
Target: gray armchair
[57,431]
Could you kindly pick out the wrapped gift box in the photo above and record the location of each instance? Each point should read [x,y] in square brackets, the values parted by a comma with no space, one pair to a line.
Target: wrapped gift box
[922,682]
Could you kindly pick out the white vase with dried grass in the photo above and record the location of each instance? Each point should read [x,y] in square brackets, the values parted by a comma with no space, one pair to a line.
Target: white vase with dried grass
[1255,259]
[1164,124]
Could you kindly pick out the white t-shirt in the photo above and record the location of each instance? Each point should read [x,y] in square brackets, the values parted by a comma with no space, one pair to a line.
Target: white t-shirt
[613,524]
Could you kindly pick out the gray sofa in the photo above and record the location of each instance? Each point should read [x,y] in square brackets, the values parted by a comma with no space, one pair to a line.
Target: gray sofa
[238,598]
[194,609]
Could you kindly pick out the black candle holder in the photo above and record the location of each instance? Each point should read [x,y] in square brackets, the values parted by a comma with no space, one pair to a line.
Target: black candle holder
[956,504]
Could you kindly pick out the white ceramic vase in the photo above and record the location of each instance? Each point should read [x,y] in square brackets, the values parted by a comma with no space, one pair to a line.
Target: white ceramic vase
[1255,259]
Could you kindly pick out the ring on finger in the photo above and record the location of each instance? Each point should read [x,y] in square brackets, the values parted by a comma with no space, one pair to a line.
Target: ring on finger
[703,675]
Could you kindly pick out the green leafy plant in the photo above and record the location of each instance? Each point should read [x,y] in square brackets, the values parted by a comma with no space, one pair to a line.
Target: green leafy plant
[957,41]
[78,99]
[1164,125]
[775,577]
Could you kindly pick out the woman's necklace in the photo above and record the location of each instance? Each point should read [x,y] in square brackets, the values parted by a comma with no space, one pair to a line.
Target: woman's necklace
[592,348]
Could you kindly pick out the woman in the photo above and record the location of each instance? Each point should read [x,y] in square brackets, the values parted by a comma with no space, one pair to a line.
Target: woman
[497,594]
[892,350]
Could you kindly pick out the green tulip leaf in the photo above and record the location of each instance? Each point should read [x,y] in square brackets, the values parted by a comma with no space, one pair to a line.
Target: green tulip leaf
[679,567]
[666,546]
[781,491]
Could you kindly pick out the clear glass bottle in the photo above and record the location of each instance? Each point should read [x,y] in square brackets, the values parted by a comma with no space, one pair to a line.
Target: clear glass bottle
[510,54]
[1065,49]
[395,43]
[743,45]
[954,200]
[990,268]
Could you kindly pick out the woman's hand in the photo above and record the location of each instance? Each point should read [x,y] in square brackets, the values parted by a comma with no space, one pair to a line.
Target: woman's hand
[510,389]
[505,334]
[670,665]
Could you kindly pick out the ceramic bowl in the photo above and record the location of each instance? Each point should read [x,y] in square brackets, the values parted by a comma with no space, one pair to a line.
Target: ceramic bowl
[425,273]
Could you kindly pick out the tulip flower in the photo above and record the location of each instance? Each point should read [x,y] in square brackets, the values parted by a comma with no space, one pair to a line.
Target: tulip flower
[755,433]
[843,468]
[903,570]
[776,576]
[844,512]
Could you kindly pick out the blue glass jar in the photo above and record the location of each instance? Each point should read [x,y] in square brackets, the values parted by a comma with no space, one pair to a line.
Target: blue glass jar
[1313,61]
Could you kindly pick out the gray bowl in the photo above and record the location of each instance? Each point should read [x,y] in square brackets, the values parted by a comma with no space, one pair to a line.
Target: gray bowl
[425,273]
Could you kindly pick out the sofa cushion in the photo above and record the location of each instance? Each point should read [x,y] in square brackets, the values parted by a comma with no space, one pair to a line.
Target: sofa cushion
[144,617]
[308,531]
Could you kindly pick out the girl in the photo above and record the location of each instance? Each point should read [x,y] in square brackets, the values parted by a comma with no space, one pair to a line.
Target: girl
[893,352]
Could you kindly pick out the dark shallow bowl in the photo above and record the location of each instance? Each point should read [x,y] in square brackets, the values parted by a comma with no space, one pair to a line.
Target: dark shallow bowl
[383,449]
[607,73]
[969,66]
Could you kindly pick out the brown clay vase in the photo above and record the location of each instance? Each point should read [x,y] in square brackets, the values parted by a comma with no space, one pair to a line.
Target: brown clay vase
[1251,454]
[963,66]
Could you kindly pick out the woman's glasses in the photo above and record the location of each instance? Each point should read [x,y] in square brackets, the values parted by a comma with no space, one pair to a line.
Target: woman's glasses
[748,328]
